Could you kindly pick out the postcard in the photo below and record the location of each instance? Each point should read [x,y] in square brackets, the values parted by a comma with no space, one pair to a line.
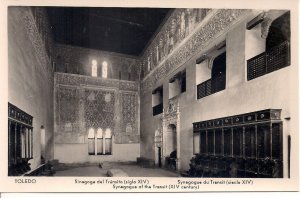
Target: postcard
[149,96]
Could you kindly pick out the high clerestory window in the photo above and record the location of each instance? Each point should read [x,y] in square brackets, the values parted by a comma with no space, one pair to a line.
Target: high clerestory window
[94,68]
[104,69]
[275,47]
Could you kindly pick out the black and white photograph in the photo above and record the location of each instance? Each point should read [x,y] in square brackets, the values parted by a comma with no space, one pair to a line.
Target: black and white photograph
[194,95]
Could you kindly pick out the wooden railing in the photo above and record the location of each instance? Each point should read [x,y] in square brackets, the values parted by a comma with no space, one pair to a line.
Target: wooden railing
[211,86]
[269,61]
[158,109]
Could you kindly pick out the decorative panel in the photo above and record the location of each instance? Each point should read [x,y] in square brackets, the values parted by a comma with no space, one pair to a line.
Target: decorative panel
[83,102]
[68,116]
[99,108]
[19,115]
[129,115]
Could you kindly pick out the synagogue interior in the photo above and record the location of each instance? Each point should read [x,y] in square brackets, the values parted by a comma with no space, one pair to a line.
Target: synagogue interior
[150,92]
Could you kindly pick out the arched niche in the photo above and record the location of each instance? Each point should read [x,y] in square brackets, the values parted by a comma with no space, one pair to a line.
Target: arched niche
[91,141]
[99,141]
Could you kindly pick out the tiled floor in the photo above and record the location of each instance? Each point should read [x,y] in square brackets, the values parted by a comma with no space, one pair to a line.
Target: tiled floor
[132,169]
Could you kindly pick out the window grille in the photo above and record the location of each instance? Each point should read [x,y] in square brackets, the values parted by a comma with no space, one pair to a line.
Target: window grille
[267,62]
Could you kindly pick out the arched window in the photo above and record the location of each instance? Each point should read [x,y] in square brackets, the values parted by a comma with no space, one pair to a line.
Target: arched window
[94,68]
[214,80]
[218,73]
[99,141]
[108,142]
[279,31]
[104,69]
[91,141]
[274,41]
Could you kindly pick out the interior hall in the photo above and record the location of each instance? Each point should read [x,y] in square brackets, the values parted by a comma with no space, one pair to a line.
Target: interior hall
[150,92]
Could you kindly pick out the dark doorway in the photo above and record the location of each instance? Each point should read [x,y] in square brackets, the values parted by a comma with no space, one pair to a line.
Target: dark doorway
[159,157]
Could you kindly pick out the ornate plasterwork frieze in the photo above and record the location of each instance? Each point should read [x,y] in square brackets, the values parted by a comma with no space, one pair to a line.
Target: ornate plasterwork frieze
[78,80]
[37,42]
[180,24]
[172,109]
[217,24]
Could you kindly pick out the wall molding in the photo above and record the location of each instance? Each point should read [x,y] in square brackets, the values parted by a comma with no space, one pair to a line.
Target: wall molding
[77,80]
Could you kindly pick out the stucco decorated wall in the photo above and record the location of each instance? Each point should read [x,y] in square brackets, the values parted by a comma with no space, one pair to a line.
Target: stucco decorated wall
[270,90]
[30,76]
[209,28]
[83,102]
[205,32]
